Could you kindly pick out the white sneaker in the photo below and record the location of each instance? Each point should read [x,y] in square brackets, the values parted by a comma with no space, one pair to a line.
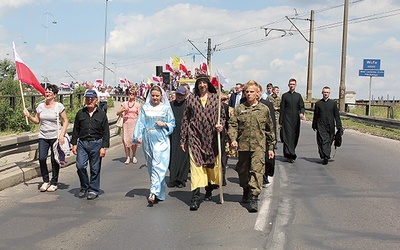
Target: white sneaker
[52,188]
[44,187]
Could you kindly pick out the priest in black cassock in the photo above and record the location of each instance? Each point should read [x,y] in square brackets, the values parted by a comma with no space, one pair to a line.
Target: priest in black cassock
[326,115]
[179,160]
[291,111]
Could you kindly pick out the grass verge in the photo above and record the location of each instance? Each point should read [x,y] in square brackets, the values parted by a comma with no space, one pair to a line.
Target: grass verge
[372,129]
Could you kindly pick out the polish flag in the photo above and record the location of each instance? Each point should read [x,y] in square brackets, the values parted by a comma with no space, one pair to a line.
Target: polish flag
[158,79]
[25,75]
[204,68]
[183,67]
[99,81]
[168,66]
[64,85]
[121,80]
[219,78]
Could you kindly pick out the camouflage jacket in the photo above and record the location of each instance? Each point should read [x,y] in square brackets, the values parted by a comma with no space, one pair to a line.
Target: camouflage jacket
[276,101]
[252,128]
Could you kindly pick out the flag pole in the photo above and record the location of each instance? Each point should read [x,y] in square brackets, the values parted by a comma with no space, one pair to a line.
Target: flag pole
[23,100]
[221,195]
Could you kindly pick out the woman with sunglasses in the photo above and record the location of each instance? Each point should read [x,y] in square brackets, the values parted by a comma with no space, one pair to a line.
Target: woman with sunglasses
[47,116]
[130,111]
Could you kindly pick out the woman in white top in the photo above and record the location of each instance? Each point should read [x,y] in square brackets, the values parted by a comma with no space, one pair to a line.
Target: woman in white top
[50,131]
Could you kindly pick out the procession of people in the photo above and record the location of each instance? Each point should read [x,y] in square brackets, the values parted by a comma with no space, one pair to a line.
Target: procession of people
[179,132]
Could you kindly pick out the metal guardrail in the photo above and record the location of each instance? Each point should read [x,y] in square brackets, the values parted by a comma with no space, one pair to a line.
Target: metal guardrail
[27,143]
[382,122]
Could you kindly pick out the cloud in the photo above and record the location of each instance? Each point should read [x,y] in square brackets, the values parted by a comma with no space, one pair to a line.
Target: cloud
[8,6]
[392,44]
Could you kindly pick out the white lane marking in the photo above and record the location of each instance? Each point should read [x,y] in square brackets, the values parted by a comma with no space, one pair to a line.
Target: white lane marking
[263,211]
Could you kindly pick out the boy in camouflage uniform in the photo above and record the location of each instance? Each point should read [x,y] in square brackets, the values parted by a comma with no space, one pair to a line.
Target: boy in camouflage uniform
[276,100]
[251,132]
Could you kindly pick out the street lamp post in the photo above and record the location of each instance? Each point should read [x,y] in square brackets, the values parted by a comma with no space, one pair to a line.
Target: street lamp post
[47,14]
[105,44]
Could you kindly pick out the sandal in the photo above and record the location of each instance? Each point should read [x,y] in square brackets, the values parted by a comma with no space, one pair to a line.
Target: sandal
[44,187]
[128,159]
[151,198]
[52,188]
[134,160]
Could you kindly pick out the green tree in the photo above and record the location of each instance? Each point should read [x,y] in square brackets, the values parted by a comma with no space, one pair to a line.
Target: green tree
[7,69]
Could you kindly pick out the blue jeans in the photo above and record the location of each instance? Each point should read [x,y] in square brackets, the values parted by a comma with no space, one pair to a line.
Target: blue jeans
[44,145]
[89,151]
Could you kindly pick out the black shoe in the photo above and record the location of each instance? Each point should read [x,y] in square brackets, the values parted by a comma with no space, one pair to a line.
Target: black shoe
[180,185]
[246,195]
[253,207]
[92,196]
[290,160]
[82,193]
[194,206]
[208,196]
[325,161]
[265,179]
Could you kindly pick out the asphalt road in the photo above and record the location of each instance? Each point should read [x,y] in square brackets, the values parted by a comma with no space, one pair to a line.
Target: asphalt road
[352,203]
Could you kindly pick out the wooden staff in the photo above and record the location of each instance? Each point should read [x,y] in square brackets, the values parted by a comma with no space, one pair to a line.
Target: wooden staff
[23,100]
[221,195]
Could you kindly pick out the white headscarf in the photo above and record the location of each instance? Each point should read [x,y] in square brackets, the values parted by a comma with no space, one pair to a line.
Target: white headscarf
[164,99]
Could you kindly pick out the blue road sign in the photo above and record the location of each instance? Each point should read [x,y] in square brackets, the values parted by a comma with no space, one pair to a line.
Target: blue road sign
[371,72]
[372,64]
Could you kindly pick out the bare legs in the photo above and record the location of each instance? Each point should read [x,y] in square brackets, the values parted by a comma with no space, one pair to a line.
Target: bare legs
[128,154]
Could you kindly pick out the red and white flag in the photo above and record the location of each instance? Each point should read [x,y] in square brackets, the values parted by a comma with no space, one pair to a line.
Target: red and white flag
[168,66]
[219,78]
[157,79]
[204,68]
[25,75]
[64,85]
[183,67]
[122,80]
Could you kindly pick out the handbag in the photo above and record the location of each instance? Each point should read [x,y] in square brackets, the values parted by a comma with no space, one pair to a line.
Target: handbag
[120,121]
[61,151]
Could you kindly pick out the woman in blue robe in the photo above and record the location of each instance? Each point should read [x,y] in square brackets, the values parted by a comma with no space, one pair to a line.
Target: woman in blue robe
[155,123]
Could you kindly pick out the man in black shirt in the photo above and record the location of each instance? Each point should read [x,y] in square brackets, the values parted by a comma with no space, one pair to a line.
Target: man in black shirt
[90,139]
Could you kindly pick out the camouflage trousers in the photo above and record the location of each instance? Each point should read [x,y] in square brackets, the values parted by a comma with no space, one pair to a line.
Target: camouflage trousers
[251,168]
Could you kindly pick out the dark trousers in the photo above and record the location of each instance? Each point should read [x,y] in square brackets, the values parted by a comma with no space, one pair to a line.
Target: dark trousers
[103,106]
[89,152]
[196,192]
[44,145]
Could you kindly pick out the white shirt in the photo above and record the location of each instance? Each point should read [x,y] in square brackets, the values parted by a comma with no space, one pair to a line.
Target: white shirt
[238,97]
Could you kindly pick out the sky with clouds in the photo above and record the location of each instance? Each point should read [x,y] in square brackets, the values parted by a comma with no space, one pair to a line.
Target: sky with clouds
[250,40]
